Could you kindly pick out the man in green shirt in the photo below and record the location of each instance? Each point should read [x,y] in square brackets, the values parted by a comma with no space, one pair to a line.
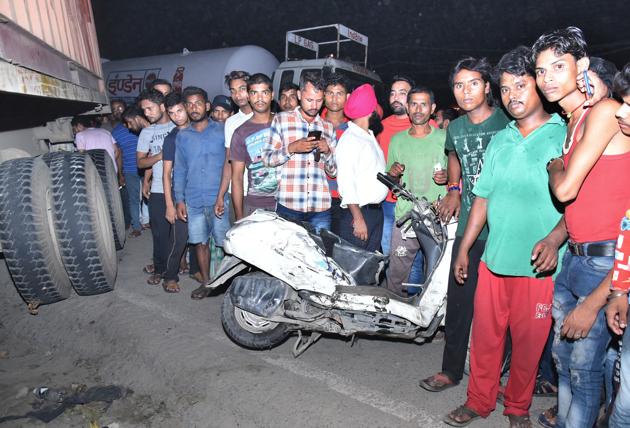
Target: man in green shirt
[411,157]
[466,140]
[515,287]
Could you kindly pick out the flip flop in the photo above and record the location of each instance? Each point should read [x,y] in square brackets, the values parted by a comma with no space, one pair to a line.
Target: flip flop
[437,383]
[548,417]
[171,286]
[460,412]
[149,269]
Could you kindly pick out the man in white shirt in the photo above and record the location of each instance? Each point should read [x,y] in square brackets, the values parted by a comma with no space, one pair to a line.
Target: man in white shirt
[359,159]
[236,81]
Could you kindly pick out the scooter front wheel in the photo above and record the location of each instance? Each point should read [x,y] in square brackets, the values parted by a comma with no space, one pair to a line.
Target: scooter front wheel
[249,330]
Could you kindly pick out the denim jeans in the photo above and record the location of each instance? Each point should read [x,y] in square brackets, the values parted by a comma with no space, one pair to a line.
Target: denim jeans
[133,182]
[621,414]
[203,224]
[580,363]
[319,220]
[388,224]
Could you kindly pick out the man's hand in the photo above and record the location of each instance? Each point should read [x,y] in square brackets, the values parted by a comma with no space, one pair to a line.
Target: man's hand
[219,206]
[449,206]
[396,170]
[146,189]
[579,322]
[121,180]
[323,146]
[304,145]
[171,214]
[181,211]
[440,177]
[617,314]
[460,267]
[360,229]
[545,255]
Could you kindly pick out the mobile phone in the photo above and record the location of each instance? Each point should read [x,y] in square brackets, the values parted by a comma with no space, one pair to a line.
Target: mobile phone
[587,84]
[317,134]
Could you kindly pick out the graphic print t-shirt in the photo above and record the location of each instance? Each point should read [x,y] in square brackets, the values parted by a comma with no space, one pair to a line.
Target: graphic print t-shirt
[470,140]
[151,140]
[247,144]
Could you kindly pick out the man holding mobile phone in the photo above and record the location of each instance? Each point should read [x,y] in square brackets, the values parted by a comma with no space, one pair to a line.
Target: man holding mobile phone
[303,194]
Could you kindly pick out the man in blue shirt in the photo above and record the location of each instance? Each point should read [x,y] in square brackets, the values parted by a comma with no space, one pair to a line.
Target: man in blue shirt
[128,175]
[199,157]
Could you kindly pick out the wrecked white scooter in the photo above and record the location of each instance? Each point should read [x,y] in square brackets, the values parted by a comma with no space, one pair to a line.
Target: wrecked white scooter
[285,279]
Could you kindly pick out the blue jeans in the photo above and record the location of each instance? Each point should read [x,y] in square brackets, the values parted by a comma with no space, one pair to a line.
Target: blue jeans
[202,223]
[416,276]
[621,414]
[133,183]
[388,224]
[580,363]
[319,220]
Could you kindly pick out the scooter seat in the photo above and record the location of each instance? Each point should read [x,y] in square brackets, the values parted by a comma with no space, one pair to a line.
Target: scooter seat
[364,266]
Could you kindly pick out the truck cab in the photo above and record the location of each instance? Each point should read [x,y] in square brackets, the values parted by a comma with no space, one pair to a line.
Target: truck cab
[336,48]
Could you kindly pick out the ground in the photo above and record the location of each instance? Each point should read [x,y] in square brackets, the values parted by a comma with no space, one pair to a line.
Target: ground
[184,372]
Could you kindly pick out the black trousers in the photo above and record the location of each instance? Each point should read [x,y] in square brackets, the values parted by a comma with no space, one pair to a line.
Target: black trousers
[177,242]
[459,312]
[336,215]
[160,229]
[373,216]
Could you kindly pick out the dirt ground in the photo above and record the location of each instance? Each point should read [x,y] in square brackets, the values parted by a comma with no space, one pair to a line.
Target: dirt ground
[181,370]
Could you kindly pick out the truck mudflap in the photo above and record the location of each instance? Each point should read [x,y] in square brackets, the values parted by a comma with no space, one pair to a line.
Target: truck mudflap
[258,293]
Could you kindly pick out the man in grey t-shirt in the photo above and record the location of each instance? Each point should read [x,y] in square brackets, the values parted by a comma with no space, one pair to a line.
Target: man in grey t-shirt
[149,157]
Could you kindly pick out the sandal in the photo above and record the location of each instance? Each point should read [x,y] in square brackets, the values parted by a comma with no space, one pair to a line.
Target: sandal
[544,388]
[183,269]
[548,417]
[154,279]
[519,421]
[171,286]
[460,417]
[200,292]
[437,383]
[149,269]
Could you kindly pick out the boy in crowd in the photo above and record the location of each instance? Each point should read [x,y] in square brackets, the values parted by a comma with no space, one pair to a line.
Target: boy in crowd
[591,178]
[466,140]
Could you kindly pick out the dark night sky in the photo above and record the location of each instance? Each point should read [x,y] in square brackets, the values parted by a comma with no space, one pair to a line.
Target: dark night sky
[421,38]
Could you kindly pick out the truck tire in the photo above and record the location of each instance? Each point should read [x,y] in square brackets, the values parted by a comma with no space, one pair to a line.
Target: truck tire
[106,170]
[83,223]
[27,232]
[248,330]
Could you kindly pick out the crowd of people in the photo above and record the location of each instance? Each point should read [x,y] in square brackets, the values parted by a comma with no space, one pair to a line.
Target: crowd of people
[536,180]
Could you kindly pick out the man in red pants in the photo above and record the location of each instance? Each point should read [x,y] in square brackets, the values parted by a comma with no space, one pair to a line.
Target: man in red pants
[514,289]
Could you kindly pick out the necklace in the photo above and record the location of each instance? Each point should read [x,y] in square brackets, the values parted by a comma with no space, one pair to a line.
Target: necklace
[568,142]
[568,115]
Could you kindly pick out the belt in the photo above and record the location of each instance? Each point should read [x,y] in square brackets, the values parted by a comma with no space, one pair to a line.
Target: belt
[372,206]
[593,249]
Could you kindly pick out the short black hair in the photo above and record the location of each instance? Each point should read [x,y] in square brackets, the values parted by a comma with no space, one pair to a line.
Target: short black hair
[314,78]
[152,95]
[161,82]
[131,112]
[236,75]
[172,99]
[259,78]
[287,86]
[568,40]
[622,82]
[335,79]
[119,101]
[403,78]
[479,65]
[189,91]
[421,90]
[604,69]
[517,62]
[449,114]
[86,121]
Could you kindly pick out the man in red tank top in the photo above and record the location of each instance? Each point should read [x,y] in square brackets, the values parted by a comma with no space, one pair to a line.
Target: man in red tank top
[591,180]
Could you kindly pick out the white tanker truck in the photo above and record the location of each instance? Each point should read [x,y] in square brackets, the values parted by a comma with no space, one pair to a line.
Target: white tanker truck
[61,218]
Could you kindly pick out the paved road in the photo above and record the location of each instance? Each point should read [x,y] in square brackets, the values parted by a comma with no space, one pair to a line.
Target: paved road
[172,352]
